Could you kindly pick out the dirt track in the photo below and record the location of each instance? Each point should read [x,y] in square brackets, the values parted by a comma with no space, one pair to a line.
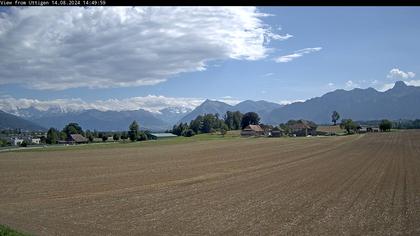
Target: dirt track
[335,185]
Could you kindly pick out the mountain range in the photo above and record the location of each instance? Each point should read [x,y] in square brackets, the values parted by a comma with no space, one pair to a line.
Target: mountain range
[212,107]
[400,102]
[9,121]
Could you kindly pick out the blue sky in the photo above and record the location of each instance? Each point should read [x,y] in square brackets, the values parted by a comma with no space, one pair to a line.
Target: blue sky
[331,48]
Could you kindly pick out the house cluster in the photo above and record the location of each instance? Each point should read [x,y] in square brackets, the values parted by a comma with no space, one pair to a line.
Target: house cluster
[300,128]
[367,129]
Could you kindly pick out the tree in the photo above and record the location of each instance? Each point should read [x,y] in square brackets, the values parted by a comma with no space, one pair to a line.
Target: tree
[223,131]
[134,131]
[89,135]
[197,124]
[104,138]
[228,118]
[188,133]
[24,143]
[348,125]
[142,136]
[178,129]
[3,142]
[124,136]
[43,139]
[116,137]
[385,125]
[250,118]
[335,117]
[209,121]
[63,135]
[72,128]
[233,120]
[237,118]
[52,136]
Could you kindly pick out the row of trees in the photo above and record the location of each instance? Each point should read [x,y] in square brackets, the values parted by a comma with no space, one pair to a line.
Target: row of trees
[350,126]
[209,123]
[134,134]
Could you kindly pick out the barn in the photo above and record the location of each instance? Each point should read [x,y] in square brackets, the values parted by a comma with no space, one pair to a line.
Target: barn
[277,132]
[303,128]
[252,130]
[156,136]
[77,138]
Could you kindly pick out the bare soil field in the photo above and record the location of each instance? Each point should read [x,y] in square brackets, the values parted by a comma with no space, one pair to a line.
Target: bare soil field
[348,185]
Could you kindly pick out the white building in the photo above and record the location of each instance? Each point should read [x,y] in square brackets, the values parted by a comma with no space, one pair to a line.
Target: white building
[16,141]
[35,140]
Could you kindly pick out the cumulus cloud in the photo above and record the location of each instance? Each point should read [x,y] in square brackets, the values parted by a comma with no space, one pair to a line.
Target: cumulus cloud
[399,74]
[98,47]
[297,54]
[150,103]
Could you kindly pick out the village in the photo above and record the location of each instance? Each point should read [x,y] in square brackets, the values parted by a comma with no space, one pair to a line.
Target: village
[249,127]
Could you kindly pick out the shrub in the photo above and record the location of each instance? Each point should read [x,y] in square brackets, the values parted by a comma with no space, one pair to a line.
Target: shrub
[24,144]
[188,133]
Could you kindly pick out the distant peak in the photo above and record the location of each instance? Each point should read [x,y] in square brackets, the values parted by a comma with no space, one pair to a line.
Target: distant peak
[400,84]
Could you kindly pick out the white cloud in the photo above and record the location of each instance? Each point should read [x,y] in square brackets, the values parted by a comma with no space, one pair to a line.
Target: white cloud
[230,101]
[413,82]
[60,48]
[385,87]
[351,84]
[281,37]
[297,54]
[374,82]
[286,102]
[268,74]
[330,84]
[399,74]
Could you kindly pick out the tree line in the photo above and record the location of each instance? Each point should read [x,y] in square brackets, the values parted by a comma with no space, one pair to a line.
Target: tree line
[209,123]
[352,127]
[133,134]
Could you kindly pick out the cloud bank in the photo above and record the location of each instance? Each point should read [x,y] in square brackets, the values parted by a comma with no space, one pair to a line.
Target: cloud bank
[99,47]
[150,103]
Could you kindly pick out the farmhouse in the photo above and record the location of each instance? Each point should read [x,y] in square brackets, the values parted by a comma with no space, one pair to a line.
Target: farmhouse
[77,138]
[303,128]
[155,136]
[252,130]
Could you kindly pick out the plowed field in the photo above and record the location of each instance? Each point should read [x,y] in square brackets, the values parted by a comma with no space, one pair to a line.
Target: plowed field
[360,184]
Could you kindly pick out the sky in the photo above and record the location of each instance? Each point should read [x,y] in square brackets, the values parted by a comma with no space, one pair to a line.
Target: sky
[126,58]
